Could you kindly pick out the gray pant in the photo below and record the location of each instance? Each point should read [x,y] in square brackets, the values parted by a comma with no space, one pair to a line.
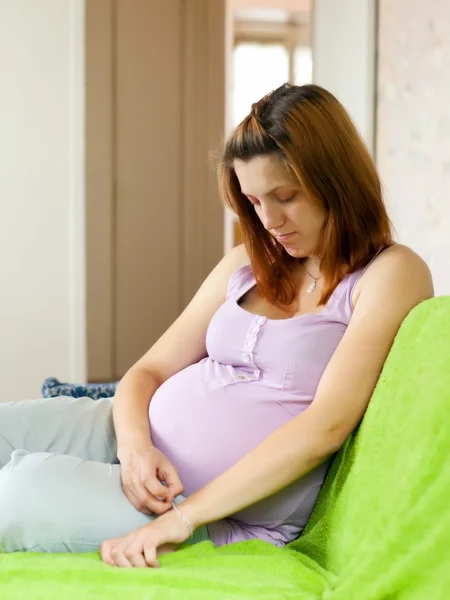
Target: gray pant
[60,488]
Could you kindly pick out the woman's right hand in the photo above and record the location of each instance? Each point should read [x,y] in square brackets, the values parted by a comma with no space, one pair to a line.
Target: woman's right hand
[143,468]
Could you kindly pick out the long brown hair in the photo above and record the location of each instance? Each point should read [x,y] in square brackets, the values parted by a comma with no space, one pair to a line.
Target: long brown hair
[313,135]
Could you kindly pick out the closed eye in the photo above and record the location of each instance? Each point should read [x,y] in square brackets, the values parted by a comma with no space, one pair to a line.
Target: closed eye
[256,202]
[286,200]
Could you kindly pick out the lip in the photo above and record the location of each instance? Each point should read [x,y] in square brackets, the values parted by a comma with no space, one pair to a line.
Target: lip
[285,236]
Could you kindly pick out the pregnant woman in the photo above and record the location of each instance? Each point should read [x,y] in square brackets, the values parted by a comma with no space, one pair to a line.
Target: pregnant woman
[225,429]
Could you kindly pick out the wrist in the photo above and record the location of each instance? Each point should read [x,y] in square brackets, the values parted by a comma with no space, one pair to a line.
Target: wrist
[124,446]
[182,517]
[191,510]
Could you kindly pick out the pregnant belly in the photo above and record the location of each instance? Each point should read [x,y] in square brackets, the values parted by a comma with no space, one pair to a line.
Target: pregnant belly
[203,431]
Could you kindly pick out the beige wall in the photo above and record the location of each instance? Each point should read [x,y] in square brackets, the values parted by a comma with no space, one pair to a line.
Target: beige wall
[291,5]
[413,126]
[41,195]
[109,110]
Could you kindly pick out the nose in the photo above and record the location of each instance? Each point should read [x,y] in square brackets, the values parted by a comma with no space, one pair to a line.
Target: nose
[271,216]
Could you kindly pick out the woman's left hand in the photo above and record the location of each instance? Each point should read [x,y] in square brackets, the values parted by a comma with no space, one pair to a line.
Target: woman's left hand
[140,547]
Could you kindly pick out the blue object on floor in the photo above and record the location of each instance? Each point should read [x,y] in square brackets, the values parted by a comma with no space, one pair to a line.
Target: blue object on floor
[53,387]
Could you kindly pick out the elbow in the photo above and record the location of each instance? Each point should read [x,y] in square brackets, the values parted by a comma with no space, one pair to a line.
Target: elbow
[326,442]
[142,372]
[327,435]
[333,438]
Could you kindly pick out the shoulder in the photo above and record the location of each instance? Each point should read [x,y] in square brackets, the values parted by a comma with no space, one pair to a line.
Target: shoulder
[236,258]
[219,279]
[399,272]
[236,269]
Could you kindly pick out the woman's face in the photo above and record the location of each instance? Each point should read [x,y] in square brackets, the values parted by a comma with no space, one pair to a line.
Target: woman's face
[289,215]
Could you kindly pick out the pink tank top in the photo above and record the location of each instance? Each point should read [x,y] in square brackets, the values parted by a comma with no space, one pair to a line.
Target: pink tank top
[259,374]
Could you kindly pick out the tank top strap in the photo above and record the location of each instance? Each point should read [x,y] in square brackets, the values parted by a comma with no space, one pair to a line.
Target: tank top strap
[240,282]
[342,305]
[356,275]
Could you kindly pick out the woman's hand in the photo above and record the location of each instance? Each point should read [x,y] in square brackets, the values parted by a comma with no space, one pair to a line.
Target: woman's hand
[140,547]
[143,468]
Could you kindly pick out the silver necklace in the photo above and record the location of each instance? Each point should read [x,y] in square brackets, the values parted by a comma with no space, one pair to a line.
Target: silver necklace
[312,286]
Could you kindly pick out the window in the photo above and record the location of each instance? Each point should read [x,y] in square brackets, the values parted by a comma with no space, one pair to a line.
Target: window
[258,68]
[265,56]
[303,65]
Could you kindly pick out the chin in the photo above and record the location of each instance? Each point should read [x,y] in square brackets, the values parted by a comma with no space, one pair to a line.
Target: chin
[295,252]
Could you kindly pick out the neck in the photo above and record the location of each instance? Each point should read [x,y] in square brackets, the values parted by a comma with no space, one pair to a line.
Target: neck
[312,264]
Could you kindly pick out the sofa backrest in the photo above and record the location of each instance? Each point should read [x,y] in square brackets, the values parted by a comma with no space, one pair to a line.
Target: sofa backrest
[381,525]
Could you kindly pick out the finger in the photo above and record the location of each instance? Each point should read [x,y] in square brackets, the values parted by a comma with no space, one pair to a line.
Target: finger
[167,548]
[146,502]
[152,505]
[137,494]
[158,507]
[155,487]
[135,556]
[105,553]
[119,558]
[150,556]
[155,505]
[136,502]
[173,481]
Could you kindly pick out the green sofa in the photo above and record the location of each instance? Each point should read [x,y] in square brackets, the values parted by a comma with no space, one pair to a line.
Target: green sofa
[380,528]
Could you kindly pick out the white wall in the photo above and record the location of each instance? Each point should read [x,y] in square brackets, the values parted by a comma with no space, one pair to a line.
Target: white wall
[344,57]
[413,132]
[42,325]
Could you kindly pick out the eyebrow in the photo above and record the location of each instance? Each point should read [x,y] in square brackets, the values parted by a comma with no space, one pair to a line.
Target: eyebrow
[271,191]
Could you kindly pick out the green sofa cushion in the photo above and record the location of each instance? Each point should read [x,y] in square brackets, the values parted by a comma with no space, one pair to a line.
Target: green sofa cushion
[380,529]
[381,525]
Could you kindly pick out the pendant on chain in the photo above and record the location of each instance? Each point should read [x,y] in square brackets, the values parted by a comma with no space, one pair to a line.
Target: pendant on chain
[311,287]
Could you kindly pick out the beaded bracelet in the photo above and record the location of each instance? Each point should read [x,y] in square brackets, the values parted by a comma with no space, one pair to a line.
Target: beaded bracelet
[188,525]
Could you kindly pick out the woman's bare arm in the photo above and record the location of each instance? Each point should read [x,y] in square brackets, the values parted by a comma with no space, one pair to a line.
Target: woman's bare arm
[397,281]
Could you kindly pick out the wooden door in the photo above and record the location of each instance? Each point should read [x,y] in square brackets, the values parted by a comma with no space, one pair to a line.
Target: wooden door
[163,230]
